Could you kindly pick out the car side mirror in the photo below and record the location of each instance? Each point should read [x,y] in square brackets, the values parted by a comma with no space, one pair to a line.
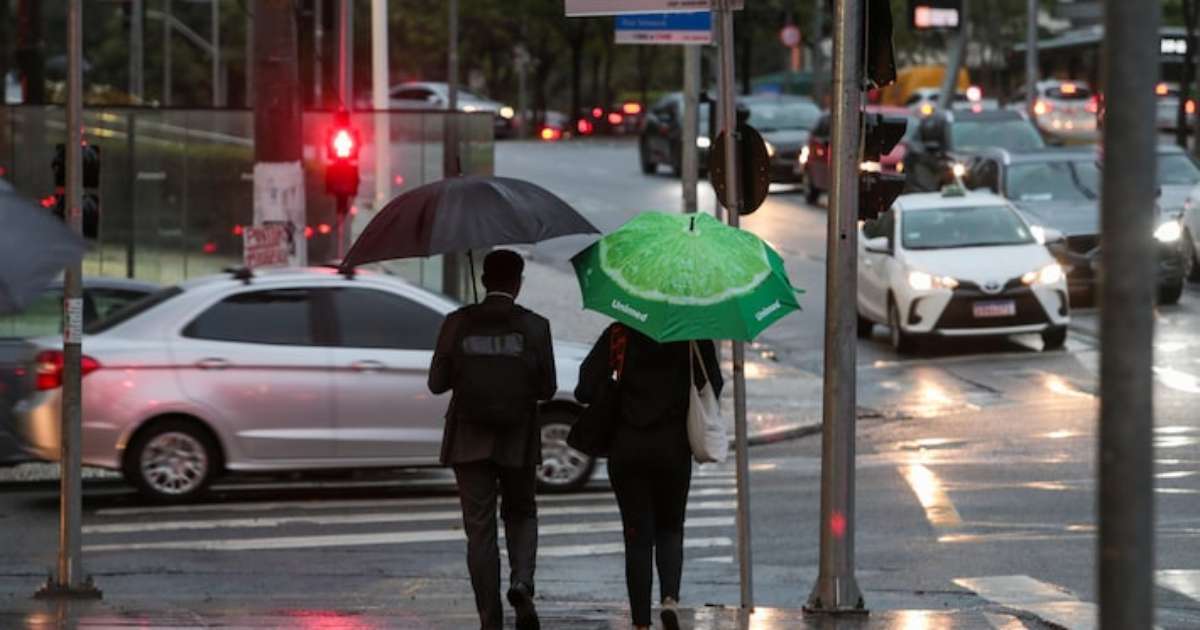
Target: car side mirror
[877,245]
[1051,236]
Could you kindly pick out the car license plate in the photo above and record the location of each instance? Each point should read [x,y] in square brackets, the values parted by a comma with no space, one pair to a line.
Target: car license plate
[1001,308]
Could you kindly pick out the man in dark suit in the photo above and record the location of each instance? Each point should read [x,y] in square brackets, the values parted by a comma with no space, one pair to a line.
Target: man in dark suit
[498,359]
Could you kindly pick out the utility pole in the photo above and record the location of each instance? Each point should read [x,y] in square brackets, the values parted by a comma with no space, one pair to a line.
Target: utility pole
[817,59]
[68,581]
[137,64]
[381,102]
[837,589]
[1128,191]
[318,58]
[249,60]
[278,175]
[345,59]
[31,52]
[734,199]
[691,125]
[958,58]
[167,28]
[216,53]
[452,281]
[1031,57]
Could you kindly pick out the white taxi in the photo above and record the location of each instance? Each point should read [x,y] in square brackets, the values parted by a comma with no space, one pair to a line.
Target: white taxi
[958,264]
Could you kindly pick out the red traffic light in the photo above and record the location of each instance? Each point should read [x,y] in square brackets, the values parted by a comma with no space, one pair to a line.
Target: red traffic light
[342,143]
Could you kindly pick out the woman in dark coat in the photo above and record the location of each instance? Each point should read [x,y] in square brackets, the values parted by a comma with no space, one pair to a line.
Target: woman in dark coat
[650,461]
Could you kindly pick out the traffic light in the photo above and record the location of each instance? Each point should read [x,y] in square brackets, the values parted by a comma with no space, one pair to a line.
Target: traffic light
[90,200]
[341,150]
[877,190]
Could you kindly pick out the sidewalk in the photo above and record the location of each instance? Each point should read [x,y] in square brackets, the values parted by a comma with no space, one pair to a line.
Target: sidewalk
[555,616]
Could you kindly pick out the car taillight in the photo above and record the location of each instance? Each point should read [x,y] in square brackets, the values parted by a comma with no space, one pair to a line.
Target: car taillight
[1189,107]
[1041,108]
[50,369]
[1093,105]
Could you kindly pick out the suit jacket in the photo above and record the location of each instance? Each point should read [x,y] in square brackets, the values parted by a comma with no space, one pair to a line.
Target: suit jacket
[466,442]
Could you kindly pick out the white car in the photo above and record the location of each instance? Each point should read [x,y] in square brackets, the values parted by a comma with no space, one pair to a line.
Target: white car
[434,95]
[1064,110]
[958,264]
[284,370]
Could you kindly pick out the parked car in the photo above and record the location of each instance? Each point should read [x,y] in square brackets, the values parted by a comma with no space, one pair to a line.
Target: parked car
[660,138]
[942,138]
[958,264]
[813,166]
[43,318]
[785,122]
[287,370]
[1060,189]
[1064,111]
[433,95]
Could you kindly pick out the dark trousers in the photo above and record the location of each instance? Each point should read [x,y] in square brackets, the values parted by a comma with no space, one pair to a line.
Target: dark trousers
[651,477]
[478,485]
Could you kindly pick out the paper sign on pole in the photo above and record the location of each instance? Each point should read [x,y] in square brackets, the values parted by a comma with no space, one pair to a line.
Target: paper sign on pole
[279,199]
[664,28]
[584,8]
[265,246]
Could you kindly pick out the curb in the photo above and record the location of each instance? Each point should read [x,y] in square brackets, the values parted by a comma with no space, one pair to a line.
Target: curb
[782,435]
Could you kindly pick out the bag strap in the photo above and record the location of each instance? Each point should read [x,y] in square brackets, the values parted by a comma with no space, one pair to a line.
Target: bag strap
[694,353]
[618,340]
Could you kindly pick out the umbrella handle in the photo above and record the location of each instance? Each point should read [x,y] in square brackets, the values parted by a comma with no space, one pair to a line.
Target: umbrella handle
[474,287]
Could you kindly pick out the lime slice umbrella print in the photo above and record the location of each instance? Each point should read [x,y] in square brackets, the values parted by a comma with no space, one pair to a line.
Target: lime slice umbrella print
[678,277]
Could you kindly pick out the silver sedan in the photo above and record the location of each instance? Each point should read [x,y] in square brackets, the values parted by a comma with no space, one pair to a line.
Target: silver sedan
[278,371]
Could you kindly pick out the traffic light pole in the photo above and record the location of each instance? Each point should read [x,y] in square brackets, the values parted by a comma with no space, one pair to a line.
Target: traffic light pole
[1126,451]
[837,589]
[734,199]
[691,109]
[452,267]
[1031,56]
[68,581]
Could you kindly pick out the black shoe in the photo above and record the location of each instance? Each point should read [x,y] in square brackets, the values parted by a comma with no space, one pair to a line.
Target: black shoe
[522,602]
[669,616]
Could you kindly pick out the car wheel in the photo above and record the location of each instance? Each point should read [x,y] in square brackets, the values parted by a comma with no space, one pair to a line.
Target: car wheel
[865,327]
[1191,257]
[902,342]
[1054,338]
[563,468]
[172,461]
[648,166]
[1170,293]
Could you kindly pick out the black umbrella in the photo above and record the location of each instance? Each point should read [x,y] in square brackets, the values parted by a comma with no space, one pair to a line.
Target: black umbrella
[34,248]
[463,213]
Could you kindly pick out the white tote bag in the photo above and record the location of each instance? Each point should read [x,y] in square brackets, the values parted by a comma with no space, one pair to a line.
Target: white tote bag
[708,432]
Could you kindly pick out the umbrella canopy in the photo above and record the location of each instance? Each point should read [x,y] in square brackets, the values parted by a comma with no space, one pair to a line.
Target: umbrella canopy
[462,213]
[676,277]
[34,248]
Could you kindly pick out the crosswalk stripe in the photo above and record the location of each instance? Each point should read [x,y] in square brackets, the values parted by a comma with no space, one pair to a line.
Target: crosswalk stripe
[266,506]
[1004,622]
[603,549]
[939,510]
[1047,601]
[360,519]
[374,539]
[1184,582]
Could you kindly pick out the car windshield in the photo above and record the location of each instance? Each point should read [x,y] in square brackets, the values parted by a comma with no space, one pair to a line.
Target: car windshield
[1014,135]
[1052,181]
[1177,170]
[773,116]
[974,226]
[131,310]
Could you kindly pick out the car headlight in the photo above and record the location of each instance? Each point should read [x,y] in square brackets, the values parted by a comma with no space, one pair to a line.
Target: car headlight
[1050,274]
[870,167]
[803,155]
[1168,232]
[703,142]
[770,149]
[921,281]
[958,169]
[469,108]
[507,112]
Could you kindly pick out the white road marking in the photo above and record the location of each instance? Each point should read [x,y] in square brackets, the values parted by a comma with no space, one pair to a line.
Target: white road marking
[608,549]
[266,506]
[1004,622]
[1184,582]
[939,510]
[1043,599]
[1178,380]
[360,519]
[376,539]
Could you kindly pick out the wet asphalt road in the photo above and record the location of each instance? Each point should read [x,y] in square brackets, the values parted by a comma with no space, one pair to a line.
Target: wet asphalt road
[976,479]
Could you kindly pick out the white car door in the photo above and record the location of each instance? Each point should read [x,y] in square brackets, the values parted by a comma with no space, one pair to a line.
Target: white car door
[873,270]
[384,410]
[251,358]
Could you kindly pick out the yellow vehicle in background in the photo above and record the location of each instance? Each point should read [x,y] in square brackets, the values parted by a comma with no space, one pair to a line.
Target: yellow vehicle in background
[910,80]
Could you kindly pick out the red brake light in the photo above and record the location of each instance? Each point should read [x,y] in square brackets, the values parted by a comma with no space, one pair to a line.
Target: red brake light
[597,112]
[584,126]
[324,228]
[1189,107]
[615,118]
[1093,105]
[50,369]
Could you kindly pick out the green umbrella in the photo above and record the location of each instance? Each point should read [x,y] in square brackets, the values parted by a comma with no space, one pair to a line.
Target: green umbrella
[676,277]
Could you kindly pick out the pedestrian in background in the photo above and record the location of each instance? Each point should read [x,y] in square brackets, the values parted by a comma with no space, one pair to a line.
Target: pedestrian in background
[498,359]
[650,461]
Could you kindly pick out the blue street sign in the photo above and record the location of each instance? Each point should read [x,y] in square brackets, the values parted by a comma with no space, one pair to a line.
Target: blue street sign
[664,28]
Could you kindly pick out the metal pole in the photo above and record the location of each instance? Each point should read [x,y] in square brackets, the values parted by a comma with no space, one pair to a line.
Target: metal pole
[167,21]
[452,283]
[837,589]
[216,54]
[1031,57]
[733,196]
[318,53]
[68,578]
[1128,192]
[691,125]
[136,54]
[341,212]
[521,56]
[958,56]
[249,59]
[381,101]
[818,59]
[346,54]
